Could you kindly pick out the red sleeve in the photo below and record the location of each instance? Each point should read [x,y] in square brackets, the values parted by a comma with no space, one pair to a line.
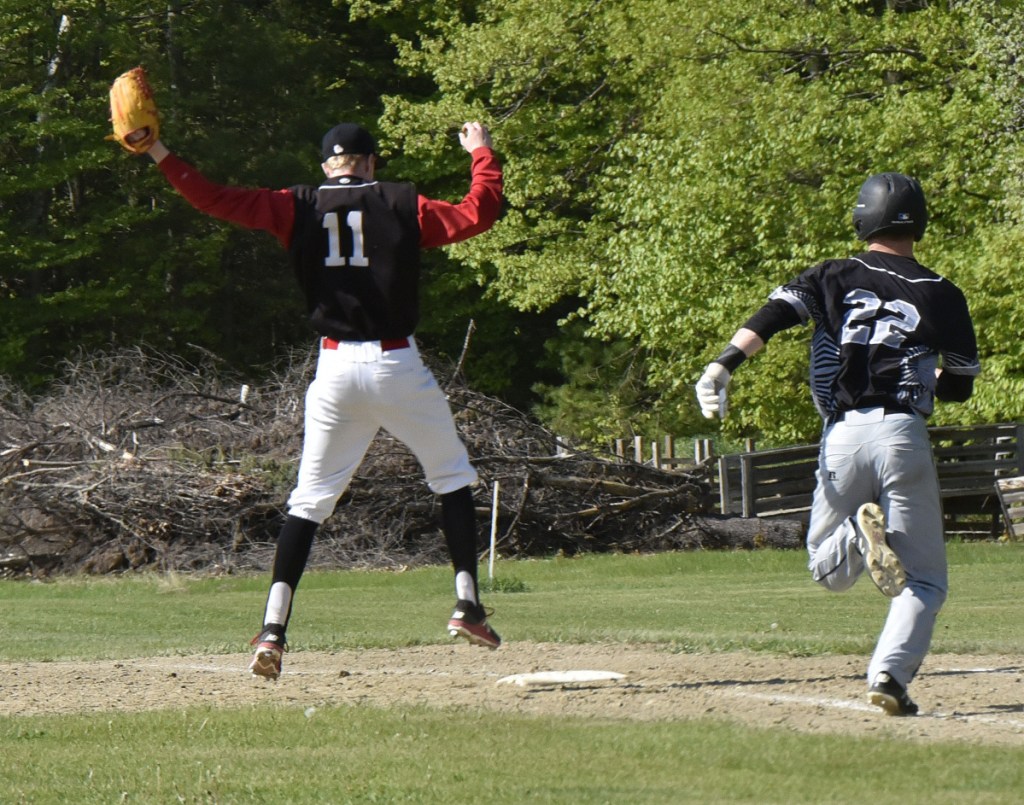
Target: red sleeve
[442,222]
[270,210]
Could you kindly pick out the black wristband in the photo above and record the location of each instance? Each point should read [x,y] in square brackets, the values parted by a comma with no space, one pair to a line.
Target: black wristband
[731,358]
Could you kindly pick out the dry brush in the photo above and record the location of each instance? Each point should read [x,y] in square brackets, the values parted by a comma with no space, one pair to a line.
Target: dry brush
[137,459]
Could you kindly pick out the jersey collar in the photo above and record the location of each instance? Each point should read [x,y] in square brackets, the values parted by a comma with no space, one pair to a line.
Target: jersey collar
[348,181]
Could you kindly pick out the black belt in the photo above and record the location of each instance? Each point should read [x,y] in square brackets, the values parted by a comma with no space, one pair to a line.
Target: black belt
[839,416]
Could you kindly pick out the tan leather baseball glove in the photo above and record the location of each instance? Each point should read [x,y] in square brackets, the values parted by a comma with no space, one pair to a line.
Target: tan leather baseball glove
[133,112]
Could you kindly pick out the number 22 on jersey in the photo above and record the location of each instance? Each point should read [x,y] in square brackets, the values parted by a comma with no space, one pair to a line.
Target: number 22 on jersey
[354,222]
[870,320]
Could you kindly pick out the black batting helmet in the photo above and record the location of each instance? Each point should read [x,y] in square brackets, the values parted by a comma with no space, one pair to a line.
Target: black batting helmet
[890,204]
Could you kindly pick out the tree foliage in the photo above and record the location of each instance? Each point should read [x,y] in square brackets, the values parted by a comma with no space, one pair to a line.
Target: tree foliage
[667,166]
[672,163]
[96,248]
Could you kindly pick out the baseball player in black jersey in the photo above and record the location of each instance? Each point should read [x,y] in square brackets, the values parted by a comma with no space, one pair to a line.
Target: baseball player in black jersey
[354,244]
[890,336]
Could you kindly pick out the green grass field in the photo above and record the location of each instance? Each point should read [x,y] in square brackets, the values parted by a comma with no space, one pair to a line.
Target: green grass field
[688,602]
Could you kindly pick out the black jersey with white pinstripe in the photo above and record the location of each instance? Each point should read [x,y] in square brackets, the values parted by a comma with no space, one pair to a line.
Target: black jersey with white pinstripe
[882,324]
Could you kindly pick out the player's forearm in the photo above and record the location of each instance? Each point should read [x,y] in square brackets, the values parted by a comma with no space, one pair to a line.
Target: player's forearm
[747,341]
[442,222]
[951,387]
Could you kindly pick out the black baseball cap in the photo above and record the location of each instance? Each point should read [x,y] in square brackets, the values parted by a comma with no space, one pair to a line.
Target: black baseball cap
[347,138]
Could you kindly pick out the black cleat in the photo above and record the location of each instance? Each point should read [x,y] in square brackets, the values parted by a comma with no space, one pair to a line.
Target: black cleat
[891,696]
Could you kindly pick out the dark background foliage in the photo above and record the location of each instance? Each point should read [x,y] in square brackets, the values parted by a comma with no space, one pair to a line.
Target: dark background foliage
[667,165]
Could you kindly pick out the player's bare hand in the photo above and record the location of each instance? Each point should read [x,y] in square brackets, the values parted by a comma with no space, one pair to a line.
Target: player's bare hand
[474,135]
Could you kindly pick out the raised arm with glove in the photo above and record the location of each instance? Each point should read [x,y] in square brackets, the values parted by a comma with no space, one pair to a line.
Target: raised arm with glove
[133,112]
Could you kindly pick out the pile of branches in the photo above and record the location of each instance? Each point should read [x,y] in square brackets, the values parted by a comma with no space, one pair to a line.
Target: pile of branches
[137,459]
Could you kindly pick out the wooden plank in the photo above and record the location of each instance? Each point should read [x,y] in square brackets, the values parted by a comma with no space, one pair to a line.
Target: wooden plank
[775,475]
[961,433]
[747,484]
[963,454]
[989,463]
[676,463]
[978,464]
[804,479]
[790,504]
[724,487]
[801,450]
[773,490]
[1011,500]
[1011,485]
[990,448]
[768,489]
[702,450]
[954,480]
[965,485]
[789,457]
[804,472]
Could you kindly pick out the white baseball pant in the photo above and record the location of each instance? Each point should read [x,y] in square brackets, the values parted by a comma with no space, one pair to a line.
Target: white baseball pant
[358,389]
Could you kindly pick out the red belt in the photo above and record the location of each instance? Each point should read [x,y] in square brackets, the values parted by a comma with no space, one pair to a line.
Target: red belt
[385,343]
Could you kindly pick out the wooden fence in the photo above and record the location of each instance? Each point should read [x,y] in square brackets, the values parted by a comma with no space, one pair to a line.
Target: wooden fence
[779,483]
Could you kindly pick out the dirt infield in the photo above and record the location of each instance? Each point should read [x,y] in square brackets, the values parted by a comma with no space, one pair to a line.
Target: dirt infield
[978,699]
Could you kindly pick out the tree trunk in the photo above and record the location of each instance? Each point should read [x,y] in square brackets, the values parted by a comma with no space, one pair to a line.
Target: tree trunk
[717,531]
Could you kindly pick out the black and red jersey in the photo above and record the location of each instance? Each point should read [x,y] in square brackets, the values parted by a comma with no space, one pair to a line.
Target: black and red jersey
[354,244]
[355,249]
[882,322]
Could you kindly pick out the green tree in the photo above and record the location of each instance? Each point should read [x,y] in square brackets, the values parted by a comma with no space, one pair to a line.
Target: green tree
[94,245]
[993,279]
[667,165]
[670,164]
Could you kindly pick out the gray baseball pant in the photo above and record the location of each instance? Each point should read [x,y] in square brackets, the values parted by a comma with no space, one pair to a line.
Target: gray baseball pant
[872,456]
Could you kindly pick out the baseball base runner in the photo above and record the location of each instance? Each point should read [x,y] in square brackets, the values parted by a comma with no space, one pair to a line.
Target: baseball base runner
[882,325]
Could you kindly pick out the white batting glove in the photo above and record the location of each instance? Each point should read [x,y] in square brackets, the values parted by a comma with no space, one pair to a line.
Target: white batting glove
[711,391]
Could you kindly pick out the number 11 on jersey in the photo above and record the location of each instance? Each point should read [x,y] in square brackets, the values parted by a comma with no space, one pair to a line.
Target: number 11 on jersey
[354,221]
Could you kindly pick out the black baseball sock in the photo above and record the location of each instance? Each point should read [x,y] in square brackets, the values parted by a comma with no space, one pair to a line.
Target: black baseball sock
[458,522]
[293,546]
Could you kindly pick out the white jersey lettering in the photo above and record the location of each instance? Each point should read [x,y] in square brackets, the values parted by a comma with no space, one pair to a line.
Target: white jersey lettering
[354,221]
[863,325]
